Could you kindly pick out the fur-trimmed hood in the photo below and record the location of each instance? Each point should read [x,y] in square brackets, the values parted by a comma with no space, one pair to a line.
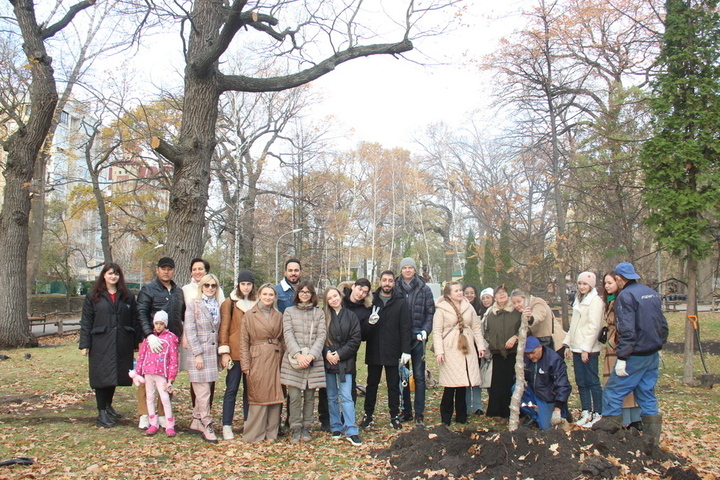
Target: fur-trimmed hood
[495,308]
[346,289]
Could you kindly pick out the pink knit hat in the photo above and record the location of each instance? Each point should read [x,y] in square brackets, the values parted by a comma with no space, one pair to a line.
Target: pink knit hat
[587,277]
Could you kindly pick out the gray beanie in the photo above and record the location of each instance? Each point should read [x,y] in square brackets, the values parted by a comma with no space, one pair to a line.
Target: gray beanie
[407,261]
[246,276]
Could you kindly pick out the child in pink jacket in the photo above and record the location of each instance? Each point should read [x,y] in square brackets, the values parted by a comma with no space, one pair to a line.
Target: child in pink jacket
[159,369]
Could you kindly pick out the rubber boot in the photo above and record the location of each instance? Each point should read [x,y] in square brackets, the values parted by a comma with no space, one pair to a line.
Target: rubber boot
[652,426]
[104,420]
[608,424]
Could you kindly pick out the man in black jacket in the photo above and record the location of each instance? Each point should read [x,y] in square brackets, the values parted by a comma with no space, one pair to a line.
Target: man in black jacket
[387,332]
[160,294]
[548,387]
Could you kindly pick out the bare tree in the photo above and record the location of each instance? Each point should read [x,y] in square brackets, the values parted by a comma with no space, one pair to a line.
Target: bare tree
[23,147]
[335,33]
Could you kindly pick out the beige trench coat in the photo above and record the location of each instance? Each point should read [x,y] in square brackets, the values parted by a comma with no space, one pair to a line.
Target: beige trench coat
[261,351]
[458,370]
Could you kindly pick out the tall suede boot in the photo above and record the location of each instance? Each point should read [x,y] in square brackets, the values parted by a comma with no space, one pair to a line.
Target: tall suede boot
[652,427]
[608,424]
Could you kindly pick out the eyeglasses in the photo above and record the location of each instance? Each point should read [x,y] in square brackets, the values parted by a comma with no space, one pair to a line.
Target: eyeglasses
[304,292]
[210,285]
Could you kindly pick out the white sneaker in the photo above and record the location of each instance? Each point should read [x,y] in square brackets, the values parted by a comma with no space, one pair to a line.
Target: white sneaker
[227,432]
[161,421]
[596,417]
[144,422]
[585,417]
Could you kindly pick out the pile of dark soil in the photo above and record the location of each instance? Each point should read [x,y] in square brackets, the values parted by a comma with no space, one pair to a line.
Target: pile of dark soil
[529,454]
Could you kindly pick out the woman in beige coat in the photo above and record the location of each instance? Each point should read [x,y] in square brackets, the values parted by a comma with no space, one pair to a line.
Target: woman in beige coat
[458,342]
[261,351]
[304,329]
[542,321]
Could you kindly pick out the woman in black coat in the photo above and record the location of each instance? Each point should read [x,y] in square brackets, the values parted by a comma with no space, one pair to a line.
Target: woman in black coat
[339,352]
[107,337]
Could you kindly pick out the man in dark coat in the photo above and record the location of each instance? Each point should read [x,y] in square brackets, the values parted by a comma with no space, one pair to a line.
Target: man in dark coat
[160,294]
[548,386]
[421,304]
[642,331]
[387,332]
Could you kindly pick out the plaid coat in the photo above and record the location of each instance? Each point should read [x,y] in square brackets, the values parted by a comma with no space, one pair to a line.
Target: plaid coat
[202,338]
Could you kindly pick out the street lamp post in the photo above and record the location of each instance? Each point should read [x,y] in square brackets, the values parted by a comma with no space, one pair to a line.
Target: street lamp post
[277,246]
[142,259]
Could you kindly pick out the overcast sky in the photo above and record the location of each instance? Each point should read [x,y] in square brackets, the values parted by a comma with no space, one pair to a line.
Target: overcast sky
[391,100]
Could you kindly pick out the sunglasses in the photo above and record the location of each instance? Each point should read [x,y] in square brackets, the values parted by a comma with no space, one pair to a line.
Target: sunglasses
[210,285]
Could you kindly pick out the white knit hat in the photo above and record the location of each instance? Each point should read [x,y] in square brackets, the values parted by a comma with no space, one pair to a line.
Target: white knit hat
[487,291]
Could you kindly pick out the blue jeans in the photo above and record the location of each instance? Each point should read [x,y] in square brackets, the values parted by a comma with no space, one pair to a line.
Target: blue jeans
[341,389]
[232,383]
[542,414]
[588,382]
[642,376]
[417,355]
[473,399]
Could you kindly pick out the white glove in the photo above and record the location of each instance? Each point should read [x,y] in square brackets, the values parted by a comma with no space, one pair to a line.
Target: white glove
[422,336]
[404,358]
[556,419]
[620,368]
[154,343]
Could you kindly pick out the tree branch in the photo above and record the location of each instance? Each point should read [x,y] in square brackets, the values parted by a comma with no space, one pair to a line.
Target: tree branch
[167,150]
[242,83]
[74,10]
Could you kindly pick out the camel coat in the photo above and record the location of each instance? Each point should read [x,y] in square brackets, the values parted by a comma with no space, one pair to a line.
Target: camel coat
[231,313]
[261,351]
[458,369]
[543,322]
[296,326]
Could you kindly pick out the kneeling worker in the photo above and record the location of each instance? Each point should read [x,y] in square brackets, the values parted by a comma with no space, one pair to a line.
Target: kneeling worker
[548,387]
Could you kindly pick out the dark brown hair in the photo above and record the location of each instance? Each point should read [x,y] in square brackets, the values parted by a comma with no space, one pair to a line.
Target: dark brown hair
[100,287]
[302,284]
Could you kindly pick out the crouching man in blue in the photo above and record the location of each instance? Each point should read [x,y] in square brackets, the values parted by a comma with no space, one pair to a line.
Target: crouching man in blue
[548,387]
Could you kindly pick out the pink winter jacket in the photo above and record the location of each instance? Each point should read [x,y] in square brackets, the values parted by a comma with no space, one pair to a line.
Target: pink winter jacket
[164,363]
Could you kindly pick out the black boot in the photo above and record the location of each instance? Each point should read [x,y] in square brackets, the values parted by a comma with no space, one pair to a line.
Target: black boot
[104,420]
[113,413]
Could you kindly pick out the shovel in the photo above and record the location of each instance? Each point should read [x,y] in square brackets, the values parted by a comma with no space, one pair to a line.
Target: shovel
[707,379]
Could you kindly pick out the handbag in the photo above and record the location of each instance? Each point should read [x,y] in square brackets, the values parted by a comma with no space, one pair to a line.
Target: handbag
[303,351]
[602,336]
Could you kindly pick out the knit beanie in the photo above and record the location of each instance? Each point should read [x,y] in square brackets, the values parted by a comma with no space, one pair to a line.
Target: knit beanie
[246,276]
[407,261]
[587,277]
[487,291]
[161,316]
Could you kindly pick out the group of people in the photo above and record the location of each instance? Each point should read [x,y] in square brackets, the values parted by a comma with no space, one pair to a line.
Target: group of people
[284,348]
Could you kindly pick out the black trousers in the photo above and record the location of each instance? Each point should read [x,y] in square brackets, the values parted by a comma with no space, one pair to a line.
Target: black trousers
[453,397]
[392,376]
[104,397]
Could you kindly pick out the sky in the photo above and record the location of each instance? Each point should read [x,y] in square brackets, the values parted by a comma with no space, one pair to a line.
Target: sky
[392,100]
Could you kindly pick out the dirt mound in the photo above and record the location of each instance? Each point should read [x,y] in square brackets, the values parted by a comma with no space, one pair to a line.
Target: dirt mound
[529,454]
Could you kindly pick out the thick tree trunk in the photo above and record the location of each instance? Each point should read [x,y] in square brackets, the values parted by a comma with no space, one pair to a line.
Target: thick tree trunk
[37,225]
[688,377]
[23,147]
[191,178]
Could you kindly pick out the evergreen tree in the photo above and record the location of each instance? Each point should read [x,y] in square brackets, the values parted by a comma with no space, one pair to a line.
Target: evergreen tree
[680,161]
[472,262]
[489,272]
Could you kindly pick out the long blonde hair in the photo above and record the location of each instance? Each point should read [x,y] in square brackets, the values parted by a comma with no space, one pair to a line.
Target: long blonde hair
[329,311]
[462,343]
